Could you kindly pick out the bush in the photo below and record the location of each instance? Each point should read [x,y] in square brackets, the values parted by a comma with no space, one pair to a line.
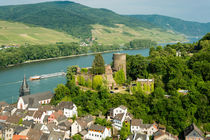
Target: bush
[97,82]
[119,77]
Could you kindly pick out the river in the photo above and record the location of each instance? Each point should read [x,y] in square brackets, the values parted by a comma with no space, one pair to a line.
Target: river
[11,78]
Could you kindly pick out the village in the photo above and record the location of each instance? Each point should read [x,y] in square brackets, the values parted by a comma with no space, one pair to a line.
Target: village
[34,118]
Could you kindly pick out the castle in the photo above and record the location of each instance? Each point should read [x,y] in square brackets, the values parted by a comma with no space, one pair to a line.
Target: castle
[119,62]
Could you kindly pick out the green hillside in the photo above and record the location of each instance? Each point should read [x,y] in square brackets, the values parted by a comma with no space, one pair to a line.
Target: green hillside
[82,22]
[18,33]
[123,34]
[186,27]
[70,17]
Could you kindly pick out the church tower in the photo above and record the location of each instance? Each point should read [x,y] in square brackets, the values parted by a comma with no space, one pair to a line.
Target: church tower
[24,89]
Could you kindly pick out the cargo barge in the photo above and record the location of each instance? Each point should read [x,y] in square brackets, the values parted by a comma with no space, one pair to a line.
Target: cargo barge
[46,76]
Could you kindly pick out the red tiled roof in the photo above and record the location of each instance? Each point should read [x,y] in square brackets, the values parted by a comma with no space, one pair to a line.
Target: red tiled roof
[3,117]
[19,137]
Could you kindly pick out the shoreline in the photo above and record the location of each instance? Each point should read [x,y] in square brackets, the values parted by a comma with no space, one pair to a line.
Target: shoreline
[61,57]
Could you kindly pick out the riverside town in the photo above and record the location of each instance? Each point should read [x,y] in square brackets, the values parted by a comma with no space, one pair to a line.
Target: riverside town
[73,72]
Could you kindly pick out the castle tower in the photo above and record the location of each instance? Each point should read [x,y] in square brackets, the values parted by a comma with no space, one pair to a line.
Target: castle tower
[24,89]
[119,60]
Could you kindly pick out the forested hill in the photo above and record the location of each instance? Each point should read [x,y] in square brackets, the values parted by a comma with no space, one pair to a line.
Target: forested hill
[70,17]
[186,27]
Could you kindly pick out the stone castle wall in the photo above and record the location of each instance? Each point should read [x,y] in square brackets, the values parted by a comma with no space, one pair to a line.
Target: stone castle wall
[119,61]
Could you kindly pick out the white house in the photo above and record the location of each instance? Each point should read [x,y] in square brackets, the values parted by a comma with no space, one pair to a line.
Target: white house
[69,109]
[81,124]
[118,120]
[97,132]
[135,125]
[33,101]
[148,129]
[119,110]
[65,127]
[76,127]
[29,115]
[39,116]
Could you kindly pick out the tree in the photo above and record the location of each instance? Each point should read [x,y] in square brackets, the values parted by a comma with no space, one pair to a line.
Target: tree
[98,65]
[103,122]
[81,80]
[71,71]
[60,92]
[125,131]
[77,137]
[97,82]
[119,77]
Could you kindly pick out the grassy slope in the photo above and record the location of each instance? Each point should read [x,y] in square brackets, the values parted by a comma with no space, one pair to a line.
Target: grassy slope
[79,21]
[18,33]
[72,18]
[122,34]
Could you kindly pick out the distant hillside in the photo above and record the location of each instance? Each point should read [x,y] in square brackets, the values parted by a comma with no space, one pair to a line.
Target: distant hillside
[186,27]
[13,33]
[70,17]
[123,34]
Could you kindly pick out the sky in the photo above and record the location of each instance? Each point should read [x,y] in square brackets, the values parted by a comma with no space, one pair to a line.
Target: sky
[191,10]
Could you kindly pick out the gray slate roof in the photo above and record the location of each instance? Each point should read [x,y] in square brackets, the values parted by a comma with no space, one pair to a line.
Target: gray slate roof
[28,123]
[145,126]
[33,103]
[19,129]
[119,117]
[34,134]
[51,126]
[61,118]
[65,124]
[56,136]
[136,122]
[67,105]
[160,133]
[137,136]
[83,133]
[97,127]
[44,136]
[37,126]
[38,96]
[123,107]
[87,119]
[192,127]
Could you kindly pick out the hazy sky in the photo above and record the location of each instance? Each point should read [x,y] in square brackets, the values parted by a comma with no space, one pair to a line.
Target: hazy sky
[193,10]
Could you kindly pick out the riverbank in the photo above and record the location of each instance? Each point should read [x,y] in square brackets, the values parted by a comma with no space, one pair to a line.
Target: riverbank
[61,57]
[64,57]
